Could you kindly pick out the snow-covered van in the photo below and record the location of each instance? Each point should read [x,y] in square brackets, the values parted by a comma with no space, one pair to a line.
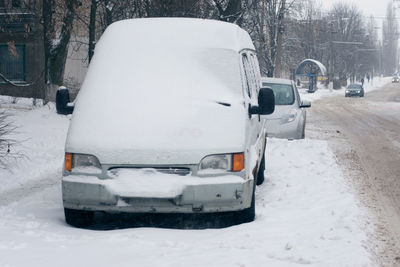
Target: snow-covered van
[167,121]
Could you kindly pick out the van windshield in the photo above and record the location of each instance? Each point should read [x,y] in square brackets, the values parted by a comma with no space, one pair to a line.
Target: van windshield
[182,73]
[284,94]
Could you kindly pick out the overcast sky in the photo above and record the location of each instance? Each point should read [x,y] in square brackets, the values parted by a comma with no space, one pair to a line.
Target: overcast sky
[368,7]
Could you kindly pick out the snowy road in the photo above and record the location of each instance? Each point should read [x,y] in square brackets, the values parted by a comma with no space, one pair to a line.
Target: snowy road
[365,134]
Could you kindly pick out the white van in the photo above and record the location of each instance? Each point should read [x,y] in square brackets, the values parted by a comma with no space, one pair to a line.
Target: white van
[167,120]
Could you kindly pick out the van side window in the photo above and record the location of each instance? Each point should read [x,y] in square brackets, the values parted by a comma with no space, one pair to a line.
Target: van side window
[247,74]
[254,69]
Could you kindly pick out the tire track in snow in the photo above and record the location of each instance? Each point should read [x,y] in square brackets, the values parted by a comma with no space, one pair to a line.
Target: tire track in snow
[29,188]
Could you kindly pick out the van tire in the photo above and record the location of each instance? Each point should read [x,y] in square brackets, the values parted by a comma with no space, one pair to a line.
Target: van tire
[260,174]
[78,218]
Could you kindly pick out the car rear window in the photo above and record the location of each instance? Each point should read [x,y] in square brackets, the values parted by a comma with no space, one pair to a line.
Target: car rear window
[284,94]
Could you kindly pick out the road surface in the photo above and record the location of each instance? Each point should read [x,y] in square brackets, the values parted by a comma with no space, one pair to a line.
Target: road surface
[365,135]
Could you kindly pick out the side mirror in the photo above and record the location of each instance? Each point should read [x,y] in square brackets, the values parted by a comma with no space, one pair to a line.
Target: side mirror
[305,104]
[62,101]
[266,102]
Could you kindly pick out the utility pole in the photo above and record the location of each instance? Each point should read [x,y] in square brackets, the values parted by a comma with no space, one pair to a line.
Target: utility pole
[279,39]
[331,64]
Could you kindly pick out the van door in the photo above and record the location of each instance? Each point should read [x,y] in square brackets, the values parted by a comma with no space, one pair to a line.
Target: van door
[262,130]
[254,125]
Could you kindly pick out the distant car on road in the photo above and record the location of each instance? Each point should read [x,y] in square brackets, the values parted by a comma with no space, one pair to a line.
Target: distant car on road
[395,79]
[289,118]
[354,89]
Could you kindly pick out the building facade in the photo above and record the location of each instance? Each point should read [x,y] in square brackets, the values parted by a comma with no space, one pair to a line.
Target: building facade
[21,50]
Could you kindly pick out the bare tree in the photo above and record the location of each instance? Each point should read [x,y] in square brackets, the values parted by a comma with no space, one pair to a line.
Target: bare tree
[230,11]
[390,42]
[348,26]
[58,18]
[265,22]
[305,34]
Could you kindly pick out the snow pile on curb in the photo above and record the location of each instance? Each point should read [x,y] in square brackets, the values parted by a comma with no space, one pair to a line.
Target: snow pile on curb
[19,102]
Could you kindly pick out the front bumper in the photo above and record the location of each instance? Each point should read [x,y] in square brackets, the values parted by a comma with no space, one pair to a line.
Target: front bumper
[193,194]
[353,93]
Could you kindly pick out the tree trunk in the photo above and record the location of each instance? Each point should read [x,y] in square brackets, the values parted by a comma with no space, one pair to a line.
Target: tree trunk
[56,50]
[279,38]
[92,29]
[232,11]
[48,33]
[108,18]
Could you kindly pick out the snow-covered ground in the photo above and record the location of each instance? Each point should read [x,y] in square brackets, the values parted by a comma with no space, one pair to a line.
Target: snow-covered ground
[305,213]
[323,92]
[41,137]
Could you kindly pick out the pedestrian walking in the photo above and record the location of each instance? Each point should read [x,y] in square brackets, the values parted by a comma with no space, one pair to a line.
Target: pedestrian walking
[368,77]
[362,81]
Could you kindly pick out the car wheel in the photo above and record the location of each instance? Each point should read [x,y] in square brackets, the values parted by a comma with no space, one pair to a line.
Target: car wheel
[79,218]
[247,215]
[345,95]
[260,174]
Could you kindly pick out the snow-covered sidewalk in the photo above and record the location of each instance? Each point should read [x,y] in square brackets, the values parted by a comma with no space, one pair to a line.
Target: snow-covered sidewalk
[305,214]
[40,136]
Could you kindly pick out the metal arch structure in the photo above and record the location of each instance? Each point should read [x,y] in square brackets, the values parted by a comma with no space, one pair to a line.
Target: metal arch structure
[312,69]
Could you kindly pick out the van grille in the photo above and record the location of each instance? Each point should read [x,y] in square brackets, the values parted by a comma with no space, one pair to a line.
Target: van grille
[166,170]
[178,171]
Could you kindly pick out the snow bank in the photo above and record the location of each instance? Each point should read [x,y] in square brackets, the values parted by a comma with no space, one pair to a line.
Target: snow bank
[19,102]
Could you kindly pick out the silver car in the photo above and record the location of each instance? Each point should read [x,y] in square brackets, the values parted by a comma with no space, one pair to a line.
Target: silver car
[289,118]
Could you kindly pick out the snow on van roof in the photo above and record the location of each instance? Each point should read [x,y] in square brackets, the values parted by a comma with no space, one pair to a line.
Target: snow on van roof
[275,80]
[172,32]
[157,83]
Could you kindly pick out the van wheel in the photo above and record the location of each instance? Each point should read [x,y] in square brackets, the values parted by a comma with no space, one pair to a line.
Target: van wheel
[247,215]
[260,174]
[79,218]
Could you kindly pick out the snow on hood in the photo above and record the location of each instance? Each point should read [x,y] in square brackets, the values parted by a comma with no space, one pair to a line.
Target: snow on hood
[144,102]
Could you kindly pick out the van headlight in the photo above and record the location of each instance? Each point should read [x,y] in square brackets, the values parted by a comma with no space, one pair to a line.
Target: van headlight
[214,164]
[82,163]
